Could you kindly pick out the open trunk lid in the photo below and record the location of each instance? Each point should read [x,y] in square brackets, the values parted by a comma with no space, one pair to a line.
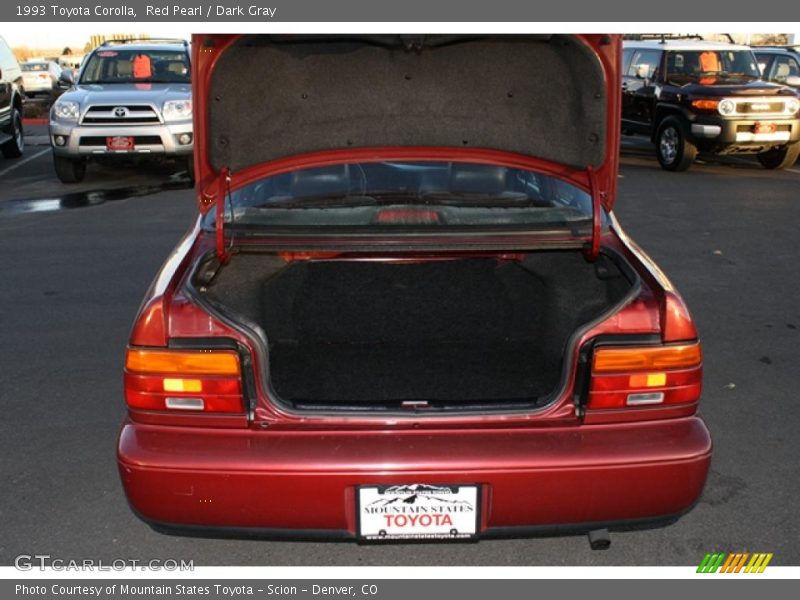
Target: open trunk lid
[270,104]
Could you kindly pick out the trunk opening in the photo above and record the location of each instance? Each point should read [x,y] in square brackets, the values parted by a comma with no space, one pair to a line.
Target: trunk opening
[464,333]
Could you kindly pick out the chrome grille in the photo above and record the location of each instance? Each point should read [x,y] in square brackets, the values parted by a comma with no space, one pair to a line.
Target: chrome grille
[761,107]
[120,114]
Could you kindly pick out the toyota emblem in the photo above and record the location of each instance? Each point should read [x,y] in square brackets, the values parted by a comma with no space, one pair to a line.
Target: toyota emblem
[120,112]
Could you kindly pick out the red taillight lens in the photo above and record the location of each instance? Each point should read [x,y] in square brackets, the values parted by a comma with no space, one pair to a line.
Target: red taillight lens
[624,377]
[183,380]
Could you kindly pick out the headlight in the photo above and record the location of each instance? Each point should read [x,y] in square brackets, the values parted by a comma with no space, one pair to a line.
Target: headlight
[792,106]
[176,110]
[66,110]
[727,107]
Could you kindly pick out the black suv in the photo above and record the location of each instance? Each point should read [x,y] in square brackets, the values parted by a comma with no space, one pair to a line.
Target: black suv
[695,95]
[12,141]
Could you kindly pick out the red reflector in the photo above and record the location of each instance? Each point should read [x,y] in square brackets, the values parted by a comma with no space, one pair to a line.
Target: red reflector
[619,399]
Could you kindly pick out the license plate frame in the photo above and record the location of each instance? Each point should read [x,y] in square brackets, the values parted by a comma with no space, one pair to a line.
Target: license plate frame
[450,512]
[120,143]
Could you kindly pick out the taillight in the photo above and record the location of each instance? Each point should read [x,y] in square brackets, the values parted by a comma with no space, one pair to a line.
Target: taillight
[183,380]
[636,376]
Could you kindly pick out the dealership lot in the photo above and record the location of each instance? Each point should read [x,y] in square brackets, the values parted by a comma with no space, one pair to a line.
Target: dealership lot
[74,273]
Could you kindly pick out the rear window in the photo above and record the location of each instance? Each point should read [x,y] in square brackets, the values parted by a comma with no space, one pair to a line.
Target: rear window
[115,65]
[34,66]
[394,195]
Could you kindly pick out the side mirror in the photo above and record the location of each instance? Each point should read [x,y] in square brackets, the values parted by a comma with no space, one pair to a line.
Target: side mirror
[793,80]
[66,79]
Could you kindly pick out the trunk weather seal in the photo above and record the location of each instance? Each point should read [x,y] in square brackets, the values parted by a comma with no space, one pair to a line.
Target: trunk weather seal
[260,340]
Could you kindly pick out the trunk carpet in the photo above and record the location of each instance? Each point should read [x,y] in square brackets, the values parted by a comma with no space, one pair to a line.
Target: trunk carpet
[467,330]
[372,373]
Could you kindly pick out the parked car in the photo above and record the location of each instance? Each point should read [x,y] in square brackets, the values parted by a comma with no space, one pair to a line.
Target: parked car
[12,135]
[40,77]
[405,309]
[691,96]
[779,64]
[131,99]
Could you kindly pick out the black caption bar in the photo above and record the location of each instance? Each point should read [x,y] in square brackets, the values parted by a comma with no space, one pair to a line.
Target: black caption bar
[616,11]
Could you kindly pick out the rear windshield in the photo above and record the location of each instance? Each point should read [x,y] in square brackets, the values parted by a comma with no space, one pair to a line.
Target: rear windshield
[34,66]
[392,195]
[710,67]
[136,66]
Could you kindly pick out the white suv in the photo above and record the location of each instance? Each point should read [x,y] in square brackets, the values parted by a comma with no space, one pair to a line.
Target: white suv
[131,98]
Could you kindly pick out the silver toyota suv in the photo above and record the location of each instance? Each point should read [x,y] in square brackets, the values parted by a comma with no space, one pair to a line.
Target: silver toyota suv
[131,98]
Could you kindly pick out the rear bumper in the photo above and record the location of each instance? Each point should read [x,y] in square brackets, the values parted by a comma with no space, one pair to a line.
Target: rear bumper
[303,484]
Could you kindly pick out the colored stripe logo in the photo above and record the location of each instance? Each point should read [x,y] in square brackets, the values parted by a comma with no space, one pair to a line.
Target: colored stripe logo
[740,562]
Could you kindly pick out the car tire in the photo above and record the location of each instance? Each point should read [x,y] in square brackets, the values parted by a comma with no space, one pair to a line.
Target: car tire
[70,170]
[779,158]
[14,147]
[674,151]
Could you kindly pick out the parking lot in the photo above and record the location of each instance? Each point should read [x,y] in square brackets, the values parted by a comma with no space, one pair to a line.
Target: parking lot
[75,270]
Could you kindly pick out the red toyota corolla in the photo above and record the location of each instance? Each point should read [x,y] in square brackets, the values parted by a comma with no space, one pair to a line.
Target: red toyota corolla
[406,310]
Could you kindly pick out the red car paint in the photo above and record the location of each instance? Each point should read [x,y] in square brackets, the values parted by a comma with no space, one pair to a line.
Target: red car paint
[276,471]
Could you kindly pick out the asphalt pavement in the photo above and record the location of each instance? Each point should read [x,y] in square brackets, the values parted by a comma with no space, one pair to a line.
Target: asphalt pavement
[73,274]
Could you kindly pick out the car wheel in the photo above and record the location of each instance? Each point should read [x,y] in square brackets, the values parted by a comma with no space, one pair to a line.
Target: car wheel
[70,170]
[674,151]
[14,147]
[779,158]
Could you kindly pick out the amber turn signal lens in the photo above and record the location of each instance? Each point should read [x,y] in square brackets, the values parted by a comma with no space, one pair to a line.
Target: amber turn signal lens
[620,360]
[705,104]
[184,362]
[643,380]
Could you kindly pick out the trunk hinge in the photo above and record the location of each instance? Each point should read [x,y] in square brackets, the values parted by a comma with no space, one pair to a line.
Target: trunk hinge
[592,251]
[223,189]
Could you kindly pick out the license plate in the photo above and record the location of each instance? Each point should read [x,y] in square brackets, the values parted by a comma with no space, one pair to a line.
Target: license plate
[119,143]
[417,512]
[765,127]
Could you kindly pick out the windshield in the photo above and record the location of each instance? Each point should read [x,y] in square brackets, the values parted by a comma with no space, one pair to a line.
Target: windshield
[710,67]
[136,66]
[392,195]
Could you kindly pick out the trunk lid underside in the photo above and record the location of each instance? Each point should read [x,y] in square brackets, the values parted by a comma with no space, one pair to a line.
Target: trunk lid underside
[542,96]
